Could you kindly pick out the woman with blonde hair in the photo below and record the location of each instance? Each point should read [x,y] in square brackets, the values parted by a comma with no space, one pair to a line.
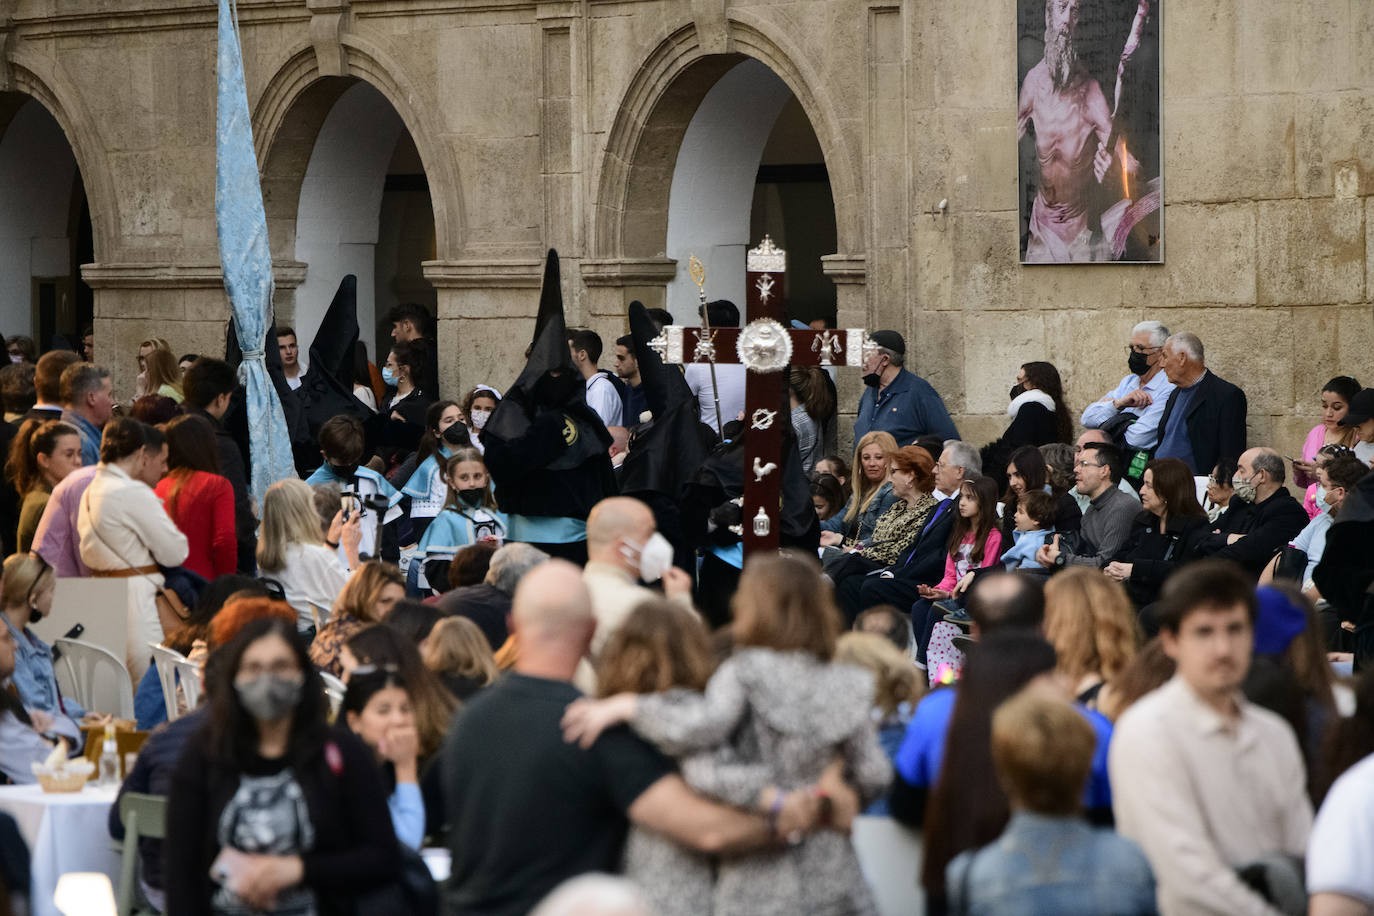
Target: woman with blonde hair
[460,655]
[152,344]
[897,687]
[778,704]
[292,551]
[1091,623]
[365,599]
[26,591]
[872,492]
[164,375]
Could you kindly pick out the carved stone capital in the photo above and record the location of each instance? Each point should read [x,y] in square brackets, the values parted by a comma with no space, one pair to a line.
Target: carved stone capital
[845,268]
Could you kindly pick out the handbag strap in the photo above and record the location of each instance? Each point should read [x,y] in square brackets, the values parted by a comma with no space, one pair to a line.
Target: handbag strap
[95,530]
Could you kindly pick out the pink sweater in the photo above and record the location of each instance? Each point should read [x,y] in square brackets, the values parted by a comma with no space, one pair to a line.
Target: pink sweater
[1316,438]
[957,564]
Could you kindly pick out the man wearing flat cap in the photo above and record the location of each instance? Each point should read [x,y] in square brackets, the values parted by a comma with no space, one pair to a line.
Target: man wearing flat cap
[897,401]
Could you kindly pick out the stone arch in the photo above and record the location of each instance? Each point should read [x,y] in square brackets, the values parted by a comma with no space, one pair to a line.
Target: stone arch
[292,109]
[299,121]
[636,169]
[33,76]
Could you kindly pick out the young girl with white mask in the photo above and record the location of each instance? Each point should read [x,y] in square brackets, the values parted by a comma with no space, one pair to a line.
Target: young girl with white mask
[469,515]
[478,407]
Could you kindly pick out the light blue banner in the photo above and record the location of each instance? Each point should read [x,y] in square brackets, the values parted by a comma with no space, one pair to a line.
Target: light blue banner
[246,260]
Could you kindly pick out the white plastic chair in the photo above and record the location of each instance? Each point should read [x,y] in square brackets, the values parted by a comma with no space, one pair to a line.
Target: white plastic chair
[85,663]
[191,674]
[166,661]
[335,690]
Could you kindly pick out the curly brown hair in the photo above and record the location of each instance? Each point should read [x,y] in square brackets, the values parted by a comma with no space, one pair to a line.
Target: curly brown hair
[1091,624]
[659,646]
[783,603]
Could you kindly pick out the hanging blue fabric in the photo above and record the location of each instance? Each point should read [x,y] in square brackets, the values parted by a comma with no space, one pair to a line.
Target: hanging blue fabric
[246,260]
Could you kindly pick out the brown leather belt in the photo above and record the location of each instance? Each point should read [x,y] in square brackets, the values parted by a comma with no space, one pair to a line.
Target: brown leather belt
[124,573]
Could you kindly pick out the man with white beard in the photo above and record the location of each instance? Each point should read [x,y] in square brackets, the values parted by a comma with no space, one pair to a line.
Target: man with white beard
[1073,124]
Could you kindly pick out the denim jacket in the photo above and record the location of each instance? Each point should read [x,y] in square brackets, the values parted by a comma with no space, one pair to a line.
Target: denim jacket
[1061,865]
[36,682]
[1021,555]
[881,502]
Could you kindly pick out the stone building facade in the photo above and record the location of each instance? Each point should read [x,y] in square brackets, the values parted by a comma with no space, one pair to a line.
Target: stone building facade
[559,123]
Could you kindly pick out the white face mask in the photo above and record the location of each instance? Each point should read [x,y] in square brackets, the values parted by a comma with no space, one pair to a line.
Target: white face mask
[480,417]
[654,557]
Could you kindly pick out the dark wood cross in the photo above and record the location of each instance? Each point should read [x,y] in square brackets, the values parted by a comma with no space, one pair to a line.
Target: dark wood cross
[766,346]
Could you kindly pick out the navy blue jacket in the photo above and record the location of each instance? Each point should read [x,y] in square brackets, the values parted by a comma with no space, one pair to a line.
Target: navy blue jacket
[907,408]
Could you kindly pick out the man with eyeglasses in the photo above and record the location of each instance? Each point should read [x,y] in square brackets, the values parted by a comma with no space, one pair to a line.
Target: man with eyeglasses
[1106,524]
[1137,403]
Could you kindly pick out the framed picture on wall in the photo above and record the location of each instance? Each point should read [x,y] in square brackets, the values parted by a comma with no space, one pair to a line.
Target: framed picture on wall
[1088,124]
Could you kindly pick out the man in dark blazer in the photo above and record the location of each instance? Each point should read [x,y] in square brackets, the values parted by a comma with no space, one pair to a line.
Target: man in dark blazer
[1204,419]
[898,584]
[47,384]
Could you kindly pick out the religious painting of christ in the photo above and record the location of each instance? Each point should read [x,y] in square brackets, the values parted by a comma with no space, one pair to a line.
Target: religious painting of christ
[1088,125]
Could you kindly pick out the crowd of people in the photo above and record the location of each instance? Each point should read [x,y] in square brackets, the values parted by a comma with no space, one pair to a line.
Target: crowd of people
[1116,672]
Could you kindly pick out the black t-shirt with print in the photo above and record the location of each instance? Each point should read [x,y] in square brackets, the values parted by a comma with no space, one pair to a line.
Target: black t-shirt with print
[527,810]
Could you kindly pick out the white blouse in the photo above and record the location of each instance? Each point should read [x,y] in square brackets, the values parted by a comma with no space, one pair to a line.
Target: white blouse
[313,575]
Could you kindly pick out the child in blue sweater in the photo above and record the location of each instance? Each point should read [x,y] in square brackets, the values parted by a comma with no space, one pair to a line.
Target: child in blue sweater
[1034,524]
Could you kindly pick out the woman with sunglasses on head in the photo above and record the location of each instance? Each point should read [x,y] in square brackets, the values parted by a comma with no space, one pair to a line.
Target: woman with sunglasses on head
[26,590]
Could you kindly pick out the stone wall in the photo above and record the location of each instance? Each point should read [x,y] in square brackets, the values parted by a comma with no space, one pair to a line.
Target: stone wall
[556,123]
[1268,117]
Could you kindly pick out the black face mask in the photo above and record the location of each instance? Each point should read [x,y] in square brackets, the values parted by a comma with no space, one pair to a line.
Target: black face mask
[344,471]
[473,495]
[457,434]
[1138,363]
[872,379]
[1016,391]
[35,615]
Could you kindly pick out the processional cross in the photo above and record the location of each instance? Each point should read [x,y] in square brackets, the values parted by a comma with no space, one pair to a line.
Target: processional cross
[766,347]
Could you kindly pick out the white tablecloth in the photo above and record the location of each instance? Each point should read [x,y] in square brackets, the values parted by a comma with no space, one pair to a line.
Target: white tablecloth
[66,832]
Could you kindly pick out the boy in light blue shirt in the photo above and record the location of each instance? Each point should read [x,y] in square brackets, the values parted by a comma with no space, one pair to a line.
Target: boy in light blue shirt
[1034,524]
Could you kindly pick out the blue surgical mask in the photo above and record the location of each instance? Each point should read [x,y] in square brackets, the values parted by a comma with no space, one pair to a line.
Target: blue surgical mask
[1321,499]
[388,376]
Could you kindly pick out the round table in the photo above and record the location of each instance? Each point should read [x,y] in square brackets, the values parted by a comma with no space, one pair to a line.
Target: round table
[66,832]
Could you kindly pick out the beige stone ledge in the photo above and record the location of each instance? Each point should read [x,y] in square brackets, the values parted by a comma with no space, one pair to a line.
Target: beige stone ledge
[612,272]
[485,273]
[285,275]
[36,20]
[845,268]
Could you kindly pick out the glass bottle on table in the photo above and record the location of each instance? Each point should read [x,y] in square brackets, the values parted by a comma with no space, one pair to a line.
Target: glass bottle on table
[108,771]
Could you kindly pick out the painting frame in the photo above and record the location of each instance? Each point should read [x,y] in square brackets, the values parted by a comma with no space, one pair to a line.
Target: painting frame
[1085,68]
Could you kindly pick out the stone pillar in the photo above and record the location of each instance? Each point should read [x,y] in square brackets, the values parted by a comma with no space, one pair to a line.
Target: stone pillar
[183,303]
[849,273]
[478,341]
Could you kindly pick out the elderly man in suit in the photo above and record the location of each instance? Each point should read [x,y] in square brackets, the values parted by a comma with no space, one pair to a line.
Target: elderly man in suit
[1204,418]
